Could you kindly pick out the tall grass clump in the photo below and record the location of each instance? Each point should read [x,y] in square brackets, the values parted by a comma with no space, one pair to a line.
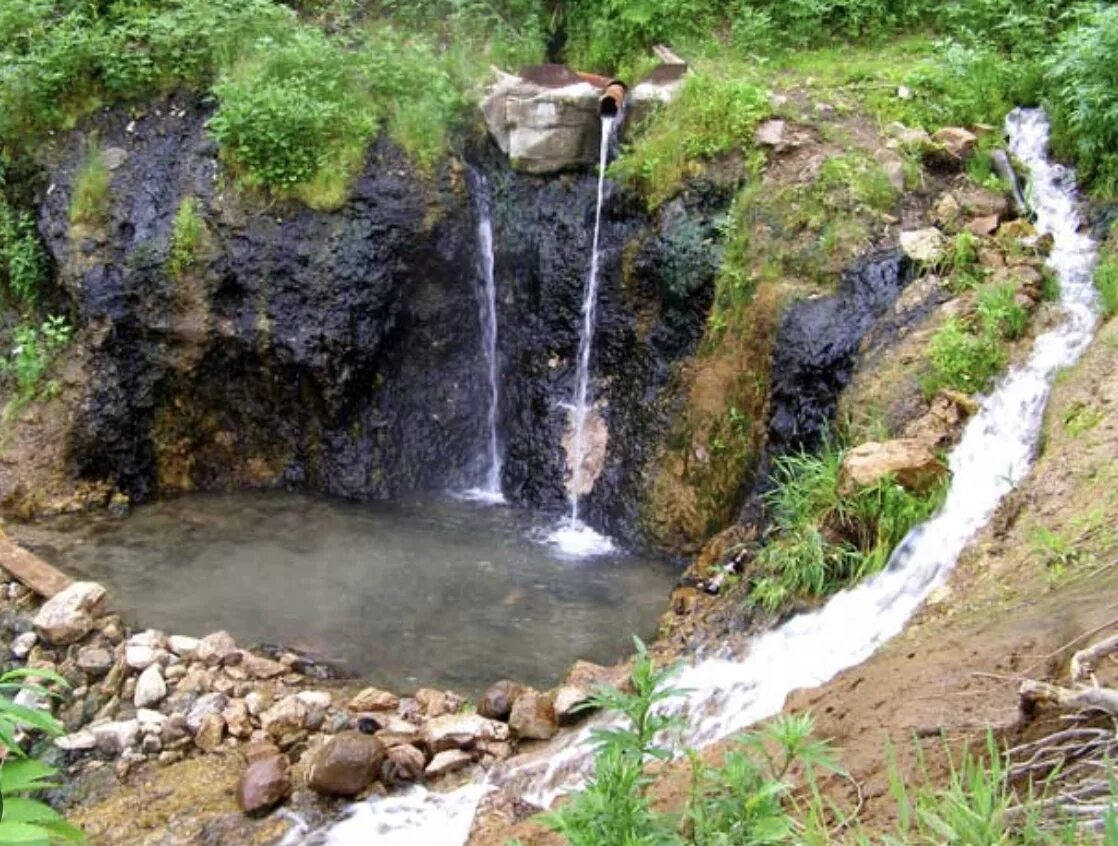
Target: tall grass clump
[188,236]
[821,539]
[1082,95]
[1106,276]
[90,199]
[712,116]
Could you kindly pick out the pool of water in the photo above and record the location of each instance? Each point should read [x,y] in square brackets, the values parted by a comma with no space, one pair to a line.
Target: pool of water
[430,592]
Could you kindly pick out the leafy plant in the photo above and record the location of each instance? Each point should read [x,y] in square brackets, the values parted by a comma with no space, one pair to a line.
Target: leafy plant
[1000,313]
[962,359]
[33,352]
[23,819]
[1081,77]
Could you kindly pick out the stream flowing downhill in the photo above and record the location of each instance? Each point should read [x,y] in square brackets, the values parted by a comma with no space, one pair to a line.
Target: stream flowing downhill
[573,536]
[725,694]
[490,489]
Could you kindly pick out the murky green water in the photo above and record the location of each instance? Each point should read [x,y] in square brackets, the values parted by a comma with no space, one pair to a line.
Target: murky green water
[427,592]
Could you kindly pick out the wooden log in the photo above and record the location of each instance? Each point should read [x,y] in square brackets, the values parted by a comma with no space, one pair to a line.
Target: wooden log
[1083,662]
[1075,699]
[31,570]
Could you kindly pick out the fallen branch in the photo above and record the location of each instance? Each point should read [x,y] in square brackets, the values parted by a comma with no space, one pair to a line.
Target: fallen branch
[1083,662]
[1078,698]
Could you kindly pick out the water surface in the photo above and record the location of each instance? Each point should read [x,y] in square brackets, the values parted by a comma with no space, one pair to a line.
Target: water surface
[433,591]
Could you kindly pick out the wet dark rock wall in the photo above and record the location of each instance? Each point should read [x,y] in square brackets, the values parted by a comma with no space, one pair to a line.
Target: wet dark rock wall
[339,351]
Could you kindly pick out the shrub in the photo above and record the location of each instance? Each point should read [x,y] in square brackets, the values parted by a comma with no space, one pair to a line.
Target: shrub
[91,189]
[33,351]
[711,117]
[188,234]
[962,359]
[821,540]
[1000,313]
[23,262]
[1082,95]
[290,110]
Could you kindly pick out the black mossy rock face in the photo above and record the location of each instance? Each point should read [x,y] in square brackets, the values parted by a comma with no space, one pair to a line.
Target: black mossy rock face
[339,351]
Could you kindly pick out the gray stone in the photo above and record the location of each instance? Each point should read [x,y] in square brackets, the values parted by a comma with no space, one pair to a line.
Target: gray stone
[770,134]
[496,702]
[23,644]
[140,657]
[113,738]
[95,660]
[216,648]
[114,157]
[261,668]
[448,761]
[150,687]
[924,245]
[151,722]
[80,741]
[892,165]
[69,615]
[204,706]
[568,701]
[184,647]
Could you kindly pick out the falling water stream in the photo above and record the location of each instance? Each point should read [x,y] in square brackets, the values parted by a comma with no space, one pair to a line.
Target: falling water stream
[490,489]
[727,693]
[573,536]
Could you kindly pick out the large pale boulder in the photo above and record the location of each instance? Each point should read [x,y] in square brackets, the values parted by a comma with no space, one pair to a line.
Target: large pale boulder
[68,616]
[911,462]
[461,731]
[924,245]
[955,140]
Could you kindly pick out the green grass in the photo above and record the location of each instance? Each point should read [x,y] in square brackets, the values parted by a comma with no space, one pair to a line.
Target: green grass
[188,236]
[1106,276]
[821,540]
[962,359]
[712,116]
[90,199]
[23,262]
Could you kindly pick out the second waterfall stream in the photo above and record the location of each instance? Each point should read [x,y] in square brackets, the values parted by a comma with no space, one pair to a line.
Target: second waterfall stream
[573,536]
[727,693]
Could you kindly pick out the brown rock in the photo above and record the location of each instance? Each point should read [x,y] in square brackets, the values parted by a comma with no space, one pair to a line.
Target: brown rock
[346,764]
[397,731]
[403,763]
[260,750]
[533,716]
[956,141]
[211,733]
[374,699]
[496,702]
[237,719]
[258,667]
[264,784]
[977,201]
[568,702]
[438,703]
[448,762]
[590,676]
[287,716]
[911,462]
[983,226]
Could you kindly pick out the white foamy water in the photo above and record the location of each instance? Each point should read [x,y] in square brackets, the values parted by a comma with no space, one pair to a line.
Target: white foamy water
[490,490]
[727,695]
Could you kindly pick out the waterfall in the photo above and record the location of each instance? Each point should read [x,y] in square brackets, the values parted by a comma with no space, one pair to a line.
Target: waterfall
[486,290]
[574,536]
[726,694]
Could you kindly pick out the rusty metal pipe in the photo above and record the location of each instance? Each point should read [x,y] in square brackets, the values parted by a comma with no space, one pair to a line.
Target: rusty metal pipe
[612,99]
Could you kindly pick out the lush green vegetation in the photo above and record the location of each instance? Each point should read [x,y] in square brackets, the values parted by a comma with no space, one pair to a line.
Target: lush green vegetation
[821,539]
[765,791]
[34,349]
[22,819]
[23,263]
[746,800]
[1106,275]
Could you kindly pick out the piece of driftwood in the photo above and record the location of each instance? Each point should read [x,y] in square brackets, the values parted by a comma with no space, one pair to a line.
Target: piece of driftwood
[31,570]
